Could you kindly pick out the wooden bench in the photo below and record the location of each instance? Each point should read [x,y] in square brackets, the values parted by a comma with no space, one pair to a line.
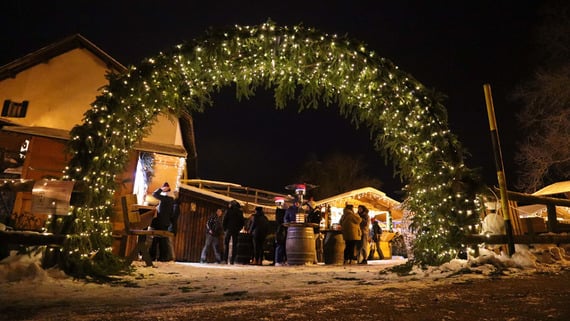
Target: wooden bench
[136,224]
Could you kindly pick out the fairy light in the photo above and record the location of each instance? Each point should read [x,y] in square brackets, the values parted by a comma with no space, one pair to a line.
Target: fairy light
[406,122]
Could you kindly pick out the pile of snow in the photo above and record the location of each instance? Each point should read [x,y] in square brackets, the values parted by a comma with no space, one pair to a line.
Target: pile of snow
[27,267]
[538,258]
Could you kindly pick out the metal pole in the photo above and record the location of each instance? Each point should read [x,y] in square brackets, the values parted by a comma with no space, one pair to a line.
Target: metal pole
[499,165]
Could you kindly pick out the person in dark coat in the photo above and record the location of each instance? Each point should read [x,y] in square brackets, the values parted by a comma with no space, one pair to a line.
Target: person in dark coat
[291,212]
[175,214]
[213,233]
[376,235]
[232,223]
[280,236]
[162,221]
[258,229]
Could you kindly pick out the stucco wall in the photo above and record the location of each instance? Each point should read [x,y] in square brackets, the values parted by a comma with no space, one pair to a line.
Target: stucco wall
[61,89]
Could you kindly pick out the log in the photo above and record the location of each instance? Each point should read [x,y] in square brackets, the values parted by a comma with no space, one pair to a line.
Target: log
[519,239]
[533,199]
[31,238]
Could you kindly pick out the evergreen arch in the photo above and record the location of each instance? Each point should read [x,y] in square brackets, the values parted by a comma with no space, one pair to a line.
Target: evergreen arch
[407,123]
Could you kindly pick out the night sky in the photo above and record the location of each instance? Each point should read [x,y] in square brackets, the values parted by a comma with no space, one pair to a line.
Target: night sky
[453,47]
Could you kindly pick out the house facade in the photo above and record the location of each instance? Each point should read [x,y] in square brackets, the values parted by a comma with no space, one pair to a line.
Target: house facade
[43,95]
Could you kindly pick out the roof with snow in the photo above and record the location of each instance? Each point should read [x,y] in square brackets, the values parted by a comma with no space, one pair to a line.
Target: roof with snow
[556,188]
[372,198]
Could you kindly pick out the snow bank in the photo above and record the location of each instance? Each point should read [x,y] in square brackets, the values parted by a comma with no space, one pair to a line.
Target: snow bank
[26,267]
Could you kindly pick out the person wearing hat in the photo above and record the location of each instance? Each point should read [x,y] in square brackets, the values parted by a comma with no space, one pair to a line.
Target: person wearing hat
[162,221]
[258,229]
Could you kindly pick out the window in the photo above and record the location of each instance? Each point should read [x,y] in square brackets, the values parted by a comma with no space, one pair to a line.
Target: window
[14,109]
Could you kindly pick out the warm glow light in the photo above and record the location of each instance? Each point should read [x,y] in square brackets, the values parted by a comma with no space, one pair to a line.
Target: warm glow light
[407,121]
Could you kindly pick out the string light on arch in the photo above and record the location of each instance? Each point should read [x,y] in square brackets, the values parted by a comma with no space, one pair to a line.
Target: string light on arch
[407,121]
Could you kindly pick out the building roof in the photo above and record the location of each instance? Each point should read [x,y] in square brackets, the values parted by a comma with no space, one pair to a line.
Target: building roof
[372,198]
[556,188]
[55,49]
[167,149]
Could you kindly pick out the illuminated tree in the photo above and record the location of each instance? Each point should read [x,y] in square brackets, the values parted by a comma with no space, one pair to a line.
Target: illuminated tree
[405,121]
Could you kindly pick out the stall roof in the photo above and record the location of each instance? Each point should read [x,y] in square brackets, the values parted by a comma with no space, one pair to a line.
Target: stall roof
[372,198]
[167,149]
[556,188]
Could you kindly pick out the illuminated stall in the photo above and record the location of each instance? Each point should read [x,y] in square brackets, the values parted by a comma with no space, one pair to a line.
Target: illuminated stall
[387,211]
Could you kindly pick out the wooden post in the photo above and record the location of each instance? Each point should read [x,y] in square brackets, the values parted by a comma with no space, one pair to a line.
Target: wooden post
[499,165]
[552,220]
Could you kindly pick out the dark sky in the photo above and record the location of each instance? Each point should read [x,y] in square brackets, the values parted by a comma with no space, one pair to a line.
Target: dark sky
[453,47]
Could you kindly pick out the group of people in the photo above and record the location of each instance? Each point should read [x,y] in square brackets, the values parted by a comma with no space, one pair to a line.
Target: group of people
[355,226]
[230,224]
[258,227]
[357,235]
[289,215]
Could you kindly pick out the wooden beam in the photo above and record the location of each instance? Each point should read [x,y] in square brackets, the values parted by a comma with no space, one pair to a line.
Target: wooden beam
[533,199]
[518,239]
[31,238]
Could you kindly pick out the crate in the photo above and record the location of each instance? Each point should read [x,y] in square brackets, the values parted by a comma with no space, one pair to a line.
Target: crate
[532,225]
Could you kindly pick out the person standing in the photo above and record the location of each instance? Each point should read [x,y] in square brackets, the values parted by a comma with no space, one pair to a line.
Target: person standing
[350,223]
[280,236]
[213,233]
[175,214]
[376,234]
[310,204]
[291,212]
[258,230]
[162,221]
[232,223]
[364,245]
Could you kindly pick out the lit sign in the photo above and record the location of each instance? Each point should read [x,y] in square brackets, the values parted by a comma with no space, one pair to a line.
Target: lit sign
[52,197]
[24,148]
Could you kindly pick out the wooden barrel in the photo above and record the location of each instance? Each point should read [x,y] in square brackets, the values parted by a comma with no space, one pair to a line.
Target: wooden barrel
[333,249]
[300,244]
[244,248]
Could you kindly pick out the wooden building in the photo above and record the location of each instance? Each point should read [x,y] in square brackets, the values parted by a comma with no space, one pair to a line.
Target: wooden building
[396,238]
[200,198]
[380,206]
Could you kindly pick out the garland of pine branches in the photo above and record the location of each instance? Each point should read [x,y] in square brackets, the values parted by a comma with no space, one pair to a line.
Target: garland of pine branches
[407,122]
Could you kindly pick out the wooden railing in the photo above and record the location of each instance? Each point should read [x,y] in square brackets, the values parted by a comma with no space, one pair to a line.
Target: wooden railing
[243,193]
[557,232]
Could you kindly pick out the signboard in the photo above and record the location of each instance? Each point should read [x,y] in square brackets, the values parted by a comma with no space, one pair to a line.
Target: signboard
[51,197]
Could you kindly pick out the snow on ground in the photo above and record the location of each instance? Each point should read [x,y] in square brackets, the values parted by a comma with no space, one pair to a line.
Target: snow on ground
[25,285]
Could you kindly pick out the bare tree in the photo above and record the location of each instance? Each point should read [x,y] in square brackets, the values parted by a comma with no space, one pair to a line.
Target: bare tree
[337,173]
[543,156]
